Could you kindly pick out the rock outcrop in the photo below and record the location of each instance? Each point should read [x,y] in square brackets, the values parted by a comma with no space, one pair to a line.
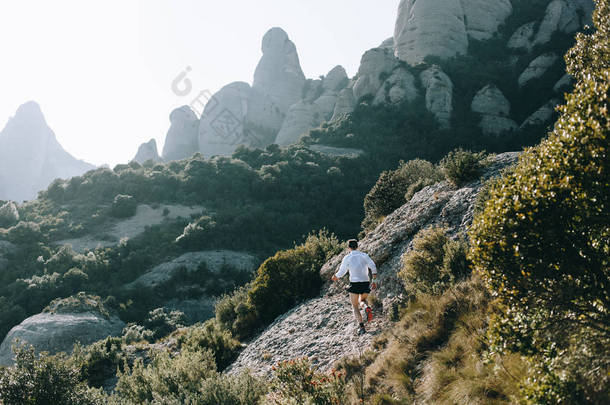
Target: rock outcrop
[58,330]
[442,28]
[565,16]
[181,140]
[375,63]
[494,109]
[537,68]
[398,87]
[147,151]
[278,74]
[430,28]
[30,156]
[542,115]
[439,94]
[323,328]
[345,104]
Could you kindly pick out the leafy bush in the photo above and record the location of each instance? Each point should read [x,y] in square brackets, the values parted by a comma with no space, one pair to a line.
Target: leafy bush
[24,233]
[462,166]
[9,215]
[542,242]
[99,361]
[133,333]
[296,382]
[195,233]
[163,322]
[393,187]
[44,380]
[212,337]
[281,282]
[123,206]
[434,263]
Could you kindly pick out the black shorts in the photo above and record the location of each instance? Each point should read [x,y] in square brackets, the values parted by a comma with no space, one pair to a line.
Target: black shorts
[359,288]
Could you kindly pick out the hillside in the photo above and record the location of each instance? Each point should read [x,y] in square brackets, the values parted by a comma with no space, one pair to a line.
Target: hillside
[213,272]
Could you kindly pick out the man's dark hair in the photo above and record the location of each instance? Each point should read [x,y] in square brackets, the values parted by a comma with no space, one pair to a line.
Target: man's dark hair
[352,243]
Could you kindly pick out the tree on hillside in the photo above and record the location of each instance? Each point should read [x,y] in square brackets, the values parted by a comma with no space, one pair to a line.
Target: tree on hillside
[543,241]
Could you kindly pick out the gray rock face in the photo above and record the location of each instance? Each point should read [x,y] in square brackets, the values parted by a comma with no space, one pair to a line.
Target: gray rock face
[490,100]
[30,156]
[190,261]
[494,109]
[278,74]
[374,64]
[323,328]
[523,37]
[301,118]
[537,68]
[237,114]
[147,151]
[345,104]
[398,87]
[483,17]
[542,115]
[59,332]
[335,80]
[387,44]
[430,28]
[325,105]
[442,28]
[439,94]
[563,83]
[181,140]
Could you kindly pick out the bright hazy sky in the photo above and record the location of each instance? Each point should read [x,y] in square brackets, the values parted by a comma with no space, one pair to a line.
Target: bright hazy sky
[102,70]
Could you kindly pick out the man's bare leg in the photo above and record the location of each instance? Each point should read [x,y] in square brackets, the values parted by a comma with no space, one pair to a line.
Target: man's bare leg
[363,298]
[354,298]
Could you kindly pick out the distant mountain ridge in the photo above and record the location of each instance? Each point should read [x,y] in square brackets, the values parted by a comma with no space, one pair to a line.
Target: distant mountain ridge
[30,156]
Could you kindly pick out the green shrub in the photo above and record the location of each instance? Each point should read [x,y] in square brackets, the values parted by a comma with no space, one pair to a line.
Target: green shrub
[123,206]
[542,243]
[195,233]
[235,313]
[44,380]
[462,166]
[434,263]
[24,233]
[99,361]
[296,382]
[133,333]
[214,338]
[9,215]
[163,322]
[394,188]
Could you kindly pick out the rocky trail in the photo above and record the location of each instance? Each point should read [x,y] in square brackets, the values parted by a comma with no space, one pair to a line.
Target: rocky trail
[323,328]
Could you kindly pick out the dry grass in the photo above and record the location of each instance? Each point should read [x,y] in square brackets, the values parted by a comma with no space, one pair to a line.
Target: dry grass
[435,354]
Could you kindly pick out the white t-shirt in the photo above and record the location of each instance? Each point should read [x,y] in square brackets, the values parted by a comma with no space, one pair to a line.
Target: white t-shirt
[358,264]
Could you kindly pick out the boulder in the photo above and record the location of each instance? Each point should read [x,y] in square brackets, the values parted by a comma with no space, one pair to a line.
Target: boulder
[278,74]
[301,118]
[483,17]
[550,22]
[335,80]
[345,104]
[430,28]
[147,151]
[30,156]
[181,140]
[542,115]
[537,68]
[439,94]
[398,87]
[490,101]
[523,37]
[375,63]
[64,322]
[565,16]
[563,83]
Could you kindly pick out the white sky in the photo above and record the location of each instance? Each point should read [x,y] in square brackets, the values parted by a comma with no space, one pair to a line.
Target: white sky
[102,70]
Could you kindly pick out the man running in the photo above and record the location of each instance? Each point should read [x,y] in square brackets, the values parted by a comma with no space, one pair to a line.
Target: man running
[358,264]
